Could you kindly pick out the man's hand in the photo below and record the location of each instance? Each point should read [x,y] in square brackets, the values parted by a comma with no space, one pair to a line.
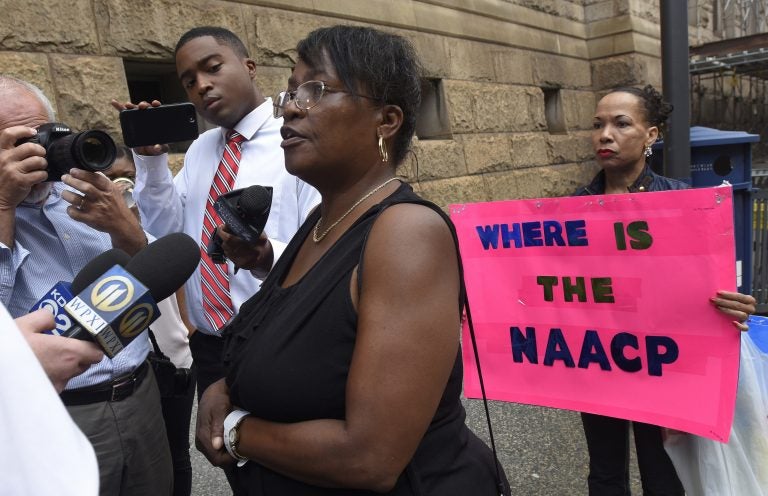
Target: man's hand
[256,257]
[62,358]
[142,150]
[101,206]
[21,167]
[209,432]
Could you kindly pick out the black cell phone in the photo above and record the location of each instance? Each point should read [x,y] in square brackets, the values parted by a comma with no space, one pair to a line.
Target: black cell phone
[159,125]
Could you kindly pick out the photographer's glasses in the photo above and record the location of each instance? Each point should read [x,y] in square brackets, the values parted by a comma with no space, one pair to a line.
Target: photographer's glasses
[306,96]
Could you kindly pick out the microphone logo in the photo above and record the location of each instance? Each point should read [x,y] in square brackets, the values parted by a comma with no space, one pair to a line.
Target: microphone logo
[136,320]
[112,293]
[114,309]
[63,322]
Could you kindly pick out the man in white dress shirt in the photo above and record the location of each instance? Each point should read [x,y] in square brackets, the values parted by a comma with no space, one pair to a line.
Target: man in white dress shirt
[218,76]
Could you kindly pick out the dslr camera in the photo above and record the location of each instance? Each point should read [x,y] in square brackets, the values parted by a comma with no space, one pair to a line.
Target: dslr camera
[91,150]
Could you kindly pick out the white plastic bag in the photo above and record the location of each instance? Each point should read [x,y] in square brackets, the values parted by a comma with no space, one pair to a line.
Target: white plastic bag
[739,468]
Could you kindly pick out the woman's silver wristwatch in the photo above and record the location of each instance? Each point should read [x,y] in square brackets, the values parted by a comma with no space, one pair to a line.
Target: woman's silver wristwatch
[232,435]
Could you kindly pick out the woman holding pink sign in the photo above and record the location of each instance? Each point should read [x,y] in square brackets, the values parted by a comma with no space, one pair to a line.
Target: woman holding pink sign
[627,122]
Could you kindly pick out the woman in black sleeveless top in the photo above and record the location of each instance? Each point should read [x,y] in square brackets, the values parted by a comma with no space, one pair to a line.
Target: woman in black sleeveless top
[344,371]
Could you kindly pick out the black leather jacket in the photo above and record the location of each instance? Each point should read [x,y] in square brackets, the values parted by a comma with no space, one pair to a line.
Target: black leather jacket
[648,181]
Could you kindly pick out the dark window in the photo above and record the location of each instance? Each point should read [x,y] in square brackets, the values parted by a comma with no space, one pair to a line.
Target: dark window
[433,120]
[553,111]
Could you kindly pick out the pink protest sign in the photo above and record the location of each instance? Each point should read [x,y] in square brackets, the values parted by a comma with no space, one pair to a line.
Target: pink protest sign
[601,304]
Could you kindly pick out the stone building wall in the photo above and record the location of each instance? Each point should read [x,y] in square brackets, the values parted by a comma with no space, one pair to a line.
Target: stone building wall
[517,78]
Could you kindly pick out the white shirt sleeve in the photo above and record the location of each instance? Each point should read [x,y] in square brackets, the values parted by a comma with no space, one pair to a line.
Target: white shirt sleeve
[159,197]
[171,334]
[306,199]
[43,451]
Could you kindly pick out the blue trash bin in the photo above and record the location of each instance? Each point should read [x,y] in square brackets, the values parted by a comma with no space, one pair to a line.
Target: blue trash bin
[718,156]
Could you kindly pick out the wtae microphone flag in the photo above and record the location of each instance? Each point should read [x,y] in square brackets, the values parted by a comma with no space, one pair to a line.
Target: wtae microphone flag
[114,309]
[55,300]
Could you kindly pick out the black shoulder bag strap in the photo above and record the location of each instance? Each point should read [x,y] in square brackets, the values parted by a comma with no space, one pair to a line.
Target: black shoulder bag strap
[499,480]
[156,347]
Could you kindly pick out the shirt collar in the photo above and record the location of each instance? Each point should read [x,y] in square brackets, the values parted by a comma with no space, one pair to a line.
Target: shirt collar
[252,122]
[642,183]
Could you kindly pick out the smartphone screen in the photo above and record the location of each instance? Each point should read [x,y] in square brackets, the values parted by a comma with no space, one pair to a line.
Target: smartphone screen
[159,125]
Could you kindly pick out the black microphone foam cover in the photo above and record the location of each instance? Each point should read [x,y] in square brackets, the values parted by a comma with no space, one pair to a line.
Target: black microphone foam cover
[164,265]
[255,200]
[96,267]
[254,204]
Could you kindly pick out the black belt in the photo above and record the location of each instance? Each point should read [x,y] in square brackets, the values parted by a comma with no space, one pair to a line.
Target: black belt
[117,390]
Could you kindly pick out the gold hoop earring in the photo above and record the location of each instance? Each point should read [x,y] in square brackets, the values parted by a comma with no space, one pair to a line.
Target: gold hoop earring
[382,148]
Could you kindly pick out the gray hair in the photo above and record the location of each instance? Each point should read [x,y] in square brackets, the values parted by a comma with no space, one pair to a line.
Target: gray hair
[10,82]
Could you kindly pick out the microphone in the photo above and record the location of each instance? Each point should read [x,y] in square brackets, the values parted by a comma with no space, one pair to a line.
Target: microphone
[98,266]
[166,264]
[244,212]
[62,292]
[121,302]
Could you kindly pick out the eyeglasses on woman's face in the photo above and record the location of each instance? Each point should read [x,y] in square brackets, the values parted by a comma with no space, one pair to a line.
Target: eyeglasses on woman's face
[306,96]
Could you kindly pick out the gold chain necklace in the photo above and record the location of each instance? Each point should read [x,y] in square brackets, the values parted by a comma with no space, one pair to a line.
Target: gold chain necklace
[318,238]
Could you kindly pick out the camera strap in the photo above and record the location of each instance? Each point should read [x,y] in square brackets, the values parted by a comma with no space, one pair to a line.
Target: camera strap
[158,351]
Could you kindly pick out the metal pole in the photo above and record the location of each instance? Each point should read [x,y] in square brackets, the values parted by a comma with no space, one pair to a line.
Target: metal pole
[674,73]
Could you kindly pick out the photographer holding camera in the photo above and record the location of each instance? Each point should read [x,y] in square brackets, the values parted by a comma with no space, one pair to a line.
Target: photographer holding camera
[49,230]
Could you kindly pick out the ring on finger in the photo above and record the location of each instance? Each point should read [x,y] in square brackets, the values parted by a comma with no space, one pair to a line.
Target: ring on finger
[82,203]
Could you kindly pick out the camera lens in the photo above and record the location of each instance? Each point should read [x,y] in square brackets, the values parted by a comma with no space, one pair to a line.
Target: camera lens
[91,150]
[95,150]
